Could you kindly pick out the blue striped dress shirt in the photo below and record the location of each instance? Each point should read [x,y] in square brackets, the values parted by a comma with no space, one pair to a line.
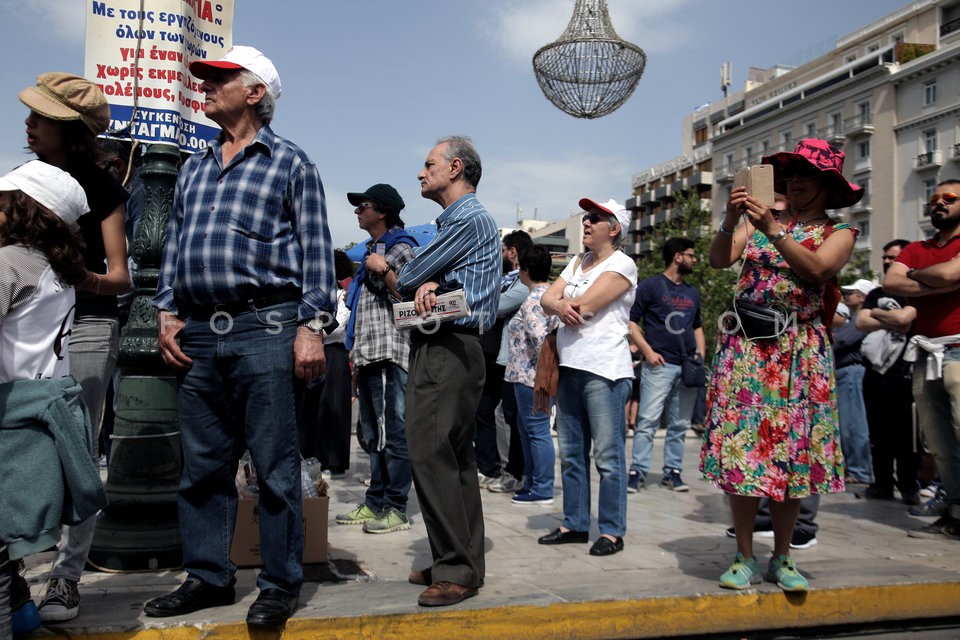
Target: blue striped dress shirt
[466,250]
[247,230]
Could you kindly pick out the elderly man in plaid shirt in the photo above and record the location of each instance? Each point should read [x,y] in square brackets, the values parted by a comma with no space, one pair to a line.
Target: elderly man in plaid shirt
[246,281]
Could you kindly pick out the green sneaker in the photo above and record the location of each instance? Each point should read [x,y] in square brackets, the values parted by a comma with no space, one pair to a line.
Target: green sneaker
[390,520]
[361,515]
[783,571]
[741,574]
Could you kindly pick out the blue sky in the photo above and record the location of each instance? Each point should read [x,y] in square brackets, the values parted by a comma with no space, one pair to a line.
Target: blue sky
[369,85]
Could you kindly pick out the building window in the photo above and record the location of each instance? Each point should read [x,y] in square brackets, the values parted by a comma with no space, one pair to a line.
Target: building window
[748,154]
[929,93]
[700,135]
[850,57]
[929,186]
[764,147]
[786,140]
[873,46]
[864,230]
[929,141]
[896,38]
[810,129]
[863,150]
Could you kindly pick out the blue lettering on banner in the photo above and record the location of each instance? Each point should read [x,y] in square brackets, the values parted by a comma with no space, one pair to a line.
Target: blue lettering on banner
[159,125]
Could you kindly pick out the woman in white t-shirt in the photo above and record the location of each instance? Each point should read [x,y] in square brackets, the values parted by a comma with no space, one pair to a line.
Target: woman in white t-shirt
[40,261]
[592,298]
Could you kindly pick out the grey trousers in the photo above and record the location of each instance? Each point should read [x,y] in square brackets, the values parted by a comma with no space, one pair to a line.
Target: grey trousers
[443,389]
[93,348]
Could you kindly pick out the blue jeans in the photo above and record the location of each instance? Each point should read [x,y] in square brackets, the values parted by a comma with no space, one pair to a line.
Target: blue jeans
[240,392]
[854,431]
[537,444]
[382,394]
[661,389]
[938,405]
[590,411]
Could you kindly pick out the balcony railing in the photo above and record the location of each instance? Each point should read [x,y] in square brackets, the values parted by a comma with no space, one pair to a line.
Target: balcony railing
[949,27]
[834,134]
[928,160]
[724,173]
[859,124]
[956,151]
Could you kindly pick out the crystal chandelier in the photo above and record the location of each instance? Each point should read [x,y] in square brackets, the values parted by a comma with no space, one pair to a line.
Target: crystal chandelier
[589,71]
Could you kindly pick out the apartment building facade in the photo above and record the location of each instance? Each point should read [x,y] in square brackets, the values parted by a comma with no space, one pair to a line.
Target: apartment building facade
[888,94]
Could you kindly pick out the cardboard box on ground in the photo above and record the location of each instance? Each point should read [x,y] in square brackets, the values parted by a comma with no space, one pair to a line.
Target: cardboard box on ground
[245,551]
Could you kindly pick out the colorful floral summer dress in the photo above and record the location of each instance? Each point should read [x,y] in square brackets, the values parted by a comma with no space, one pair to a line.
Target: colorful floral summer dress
[771,423]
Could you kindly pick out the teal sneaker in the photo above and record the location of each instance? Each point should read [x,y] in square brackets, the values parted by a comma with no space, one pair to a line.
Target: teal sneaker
[361,515]
[741,574]
[783,571]
[389,521]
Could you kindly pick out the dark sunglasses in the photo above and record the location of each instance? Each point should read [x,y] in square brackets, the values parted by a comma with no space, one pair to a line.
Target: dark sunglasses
[595,217]
[947,198]
[801,172]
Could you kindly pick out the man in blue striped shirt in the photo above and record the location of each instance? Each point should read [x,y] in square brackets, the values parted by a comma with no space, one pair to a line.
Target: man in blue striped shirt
[447,369]
[246,276]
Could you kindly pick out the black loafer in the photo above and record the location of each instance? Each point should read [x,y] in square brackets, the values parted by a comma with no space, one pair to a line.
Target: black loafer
[606,547]
[272,608]
[558,536]
[193,595]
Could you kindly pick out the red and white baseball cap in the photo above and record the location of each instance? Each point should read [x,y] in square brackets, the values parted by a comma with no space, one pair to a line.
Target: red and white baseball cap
[241,57]
[612,207]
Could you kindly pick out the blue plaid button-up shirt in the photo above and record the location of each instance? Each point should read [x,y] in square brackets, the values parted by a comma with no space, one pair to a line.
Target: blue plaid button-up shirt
[247,230]
[466,250]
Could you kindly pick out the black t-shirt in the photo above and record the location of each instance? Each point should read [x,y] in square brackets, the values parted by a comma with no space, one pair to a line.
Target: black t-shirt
[900,367]
[104,194]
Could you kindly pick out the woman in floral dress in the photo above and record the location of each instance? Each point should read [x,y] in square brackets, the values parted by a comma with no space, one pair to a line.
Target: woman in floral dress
[771,425]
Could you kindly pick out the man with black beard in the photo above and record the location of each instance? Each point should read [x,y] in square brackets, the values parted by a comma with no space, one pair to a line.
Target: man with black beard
[887,389]
[669,310]
[928,273]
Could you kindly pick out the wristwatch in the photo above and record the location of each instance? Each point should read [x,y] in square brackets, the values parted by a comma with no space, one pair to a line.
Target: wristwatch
[780,236]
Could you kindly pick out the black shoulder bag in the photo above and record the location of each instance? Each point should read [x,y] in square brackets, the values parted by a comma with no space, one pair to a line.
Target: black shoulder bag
[693,373]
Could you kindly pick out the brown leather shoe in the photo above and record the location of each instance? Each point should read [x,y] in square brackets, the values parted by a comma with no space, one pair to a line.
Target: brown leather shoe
[424,577]
[443,593]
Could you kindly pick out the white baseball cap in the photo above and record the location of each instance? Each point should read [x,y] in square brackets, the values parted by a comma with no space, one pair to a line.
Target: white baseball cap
[612,207]
[241,57]
[54,188]
[861,285]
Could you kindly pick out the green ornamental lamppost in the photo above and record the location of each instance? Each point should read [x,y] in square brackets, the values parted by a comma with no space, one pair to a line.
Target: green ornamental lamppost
[140,529]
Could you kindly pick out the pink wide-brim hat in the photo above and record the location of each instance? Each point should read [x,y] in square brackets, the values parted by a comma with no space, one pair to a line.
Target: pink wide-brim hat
[822,156]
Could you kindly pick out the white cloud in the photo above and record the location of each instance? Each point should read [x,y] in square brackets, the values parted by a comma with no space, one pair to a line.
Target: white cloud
[60,20]
[552,187]
[519,29]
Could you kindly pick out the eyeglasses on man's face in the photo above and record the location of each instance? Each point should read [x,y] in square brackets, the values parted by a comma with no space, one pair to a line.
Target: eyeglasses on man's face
[364,205]
[947,198]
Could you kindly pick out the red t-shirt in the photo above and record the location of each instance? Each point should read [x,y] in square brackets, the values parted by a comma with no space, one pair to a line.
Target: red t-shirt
[937,315]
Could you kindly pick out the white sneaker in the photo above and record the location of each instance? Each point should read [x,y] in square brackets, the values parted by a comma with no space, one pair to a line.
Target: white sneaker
[506,483]
[61,602]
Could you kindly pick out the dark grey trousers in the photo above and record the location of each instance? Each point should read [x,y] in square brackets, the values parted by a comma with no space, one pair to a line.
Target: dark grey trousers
[443,389]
